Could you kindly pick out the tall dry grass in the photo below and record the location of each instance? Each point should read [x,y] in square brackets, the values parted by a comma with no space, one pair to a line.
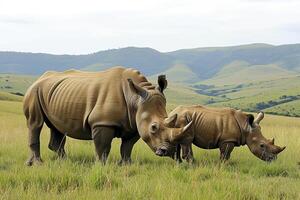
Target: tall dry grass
[149,177]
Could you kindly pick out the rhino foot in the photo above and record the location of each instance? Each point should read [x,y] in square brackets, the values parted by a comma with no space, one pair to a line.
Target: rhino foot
[178,160]
[191,161]
[34,161]
[62,154]
[124,162]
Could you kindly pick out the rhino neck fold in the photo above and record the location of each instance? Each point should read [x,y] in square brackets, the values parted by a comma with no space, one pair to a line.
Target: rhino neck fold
[132,110]
[242,139]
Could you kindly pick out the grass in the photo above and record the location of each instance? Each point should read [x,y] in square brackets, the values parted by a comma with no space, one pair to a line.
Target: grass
[179,73]
[244,95]
[178,94]
[15,83]
[152,177]
[240,72]
[290,108]
[247,95]
[9,97]
[149,177]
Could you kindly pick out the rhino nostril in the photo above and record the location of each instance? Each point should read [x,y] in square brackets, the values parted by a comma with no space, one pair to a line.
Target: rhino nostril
[161,152]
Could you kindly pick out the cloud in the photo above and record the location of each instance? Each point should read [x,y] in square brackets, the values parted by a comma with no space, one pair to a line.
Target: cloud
[15,20]
[88,26]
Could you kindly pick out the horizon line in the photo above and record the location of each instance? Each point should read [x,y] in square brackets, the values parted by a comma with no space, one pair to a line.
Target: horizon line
[141,47]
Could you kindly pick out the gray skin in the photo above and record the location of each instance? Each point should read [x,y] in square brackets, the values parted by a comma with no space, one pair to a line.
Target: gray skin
[99,106]
[224,129]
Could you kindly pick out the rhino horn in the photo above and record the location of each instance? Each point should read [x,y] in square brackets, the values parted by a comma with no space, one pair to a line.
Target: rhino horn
[171,121]
[278,149]
[178,134]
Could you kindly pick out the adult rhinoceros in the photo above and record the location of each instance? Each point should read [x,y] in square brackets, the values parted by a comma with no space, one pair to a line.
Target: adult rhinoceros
[99,106]
[222,128]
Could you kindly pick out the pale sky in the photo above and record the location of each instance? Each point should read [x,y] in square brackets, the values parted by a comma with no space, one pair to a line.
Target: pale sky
[86,26]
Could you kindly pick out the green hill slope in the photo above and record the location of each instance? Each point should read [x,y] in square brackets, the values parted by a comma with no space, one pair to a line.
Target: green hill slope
[252,77]
[15,83]
[5,96]
[205,63]
[177,94]
[261,95]
[148,60]
[288,109]
[240,72]
[179,73]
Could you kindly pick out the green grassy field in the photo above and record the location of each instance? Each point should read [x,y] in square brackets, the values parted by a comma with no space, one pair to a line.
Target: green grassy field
[15,83]
[9,97]
[241,72]
[177,94]
[276,94]
[266,95]
[149,177]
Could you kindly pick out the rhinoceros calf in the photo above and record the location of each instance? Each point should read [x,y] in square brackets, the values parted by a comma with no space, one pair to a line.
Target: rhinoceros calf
[99,106]
[222,128]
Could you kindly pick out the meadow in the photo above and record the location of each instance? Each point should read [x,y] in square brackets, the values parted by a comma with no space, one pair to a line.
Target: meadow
[149,177]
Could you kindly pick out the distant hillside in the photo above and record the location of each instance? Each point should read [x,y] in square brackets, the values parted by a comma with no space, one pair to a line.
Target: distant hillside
[250,77]
[147,60]
[5,96]
[280,96]
[12,83]
[199,63]
[207,62]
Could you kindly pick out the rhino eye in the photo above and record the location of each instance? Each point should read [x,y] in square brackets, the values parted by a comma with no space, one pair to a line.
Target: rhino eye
[154,127]
[262,145]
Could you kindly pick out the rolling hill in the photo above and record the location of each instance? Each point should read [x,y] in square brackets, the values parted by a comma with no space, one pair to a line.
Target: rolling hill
[203,63]
[147,60]
[250,77]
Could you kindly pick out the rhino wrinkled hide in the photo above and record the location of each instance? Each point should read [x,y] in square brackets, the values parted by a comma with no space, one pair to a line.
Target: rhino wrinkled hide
[98,106]
[222,128]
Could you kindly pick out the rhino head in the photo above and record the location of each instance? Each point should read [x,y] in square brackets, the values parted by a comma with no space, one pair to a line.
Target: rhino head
[151,119]
[260,146]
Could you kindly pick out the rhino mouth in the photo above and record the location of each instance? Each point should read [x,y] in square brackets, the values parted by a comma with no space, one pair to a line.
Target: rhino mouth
[268,157]
[165,150]
[161,152]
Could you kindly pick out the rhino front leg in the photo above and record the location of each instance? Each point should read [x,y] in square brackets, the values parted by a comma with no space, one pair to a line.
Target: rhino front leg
[57,143]
[126,149]
[187,152]
[177,154]
[102,137]
[225,150]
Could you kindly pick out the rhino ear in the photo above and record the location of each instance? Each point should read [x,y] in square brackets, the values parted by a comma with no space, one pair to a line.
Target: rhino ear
[171,121]
[250,119]
[137,89]
[162,83]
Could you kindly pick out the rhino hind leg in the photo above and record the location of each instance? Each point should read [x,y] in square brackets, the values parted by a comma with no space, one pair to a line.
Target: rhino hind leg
[34,145]
[57,142]
[102,137]
[126,149]
[225,150]
[35,122]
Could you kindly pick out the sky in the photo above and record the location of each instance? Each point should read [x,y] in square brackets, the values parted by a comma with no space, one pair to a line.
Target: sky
[87,26]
